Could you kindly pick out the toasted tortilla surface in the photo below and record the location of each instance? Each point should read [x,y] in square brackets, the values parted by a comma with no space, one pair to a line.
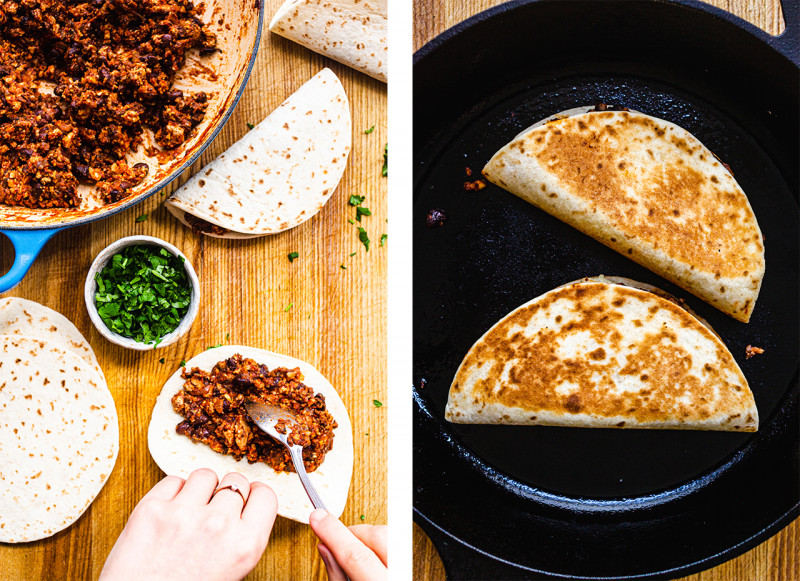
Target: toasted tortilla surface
[593,354]
[648,189]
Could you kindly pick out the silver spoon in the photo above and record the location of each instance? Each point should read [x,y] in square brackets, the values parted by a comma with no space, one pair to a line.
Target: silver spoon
[266,417]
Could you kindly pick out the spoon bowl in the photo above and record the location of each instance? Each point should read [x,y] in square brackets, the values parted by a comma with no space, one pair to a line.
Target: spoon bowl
[266,417]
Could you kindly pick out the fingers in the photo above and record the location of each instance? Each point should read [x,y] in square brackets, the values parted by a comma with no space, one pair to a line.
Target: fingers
[358,560]
[228,499]
[199,487]
[375,537]
[335,572]
[261,508]
[165,489]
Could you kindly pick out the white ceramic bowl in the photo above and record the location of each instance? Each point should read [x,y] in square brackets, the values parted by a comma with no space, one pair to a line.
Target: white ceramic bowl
[90,288]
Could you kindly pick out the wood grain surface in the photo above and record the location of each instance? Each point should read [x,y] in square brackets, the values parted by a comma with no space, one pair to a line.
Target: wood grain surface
[777,558]
[337,322]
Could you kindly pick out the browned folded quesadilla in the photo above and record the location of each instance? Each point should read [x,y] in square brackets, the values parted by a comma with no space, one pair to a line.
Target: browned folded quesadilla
[648,189]
[599,353]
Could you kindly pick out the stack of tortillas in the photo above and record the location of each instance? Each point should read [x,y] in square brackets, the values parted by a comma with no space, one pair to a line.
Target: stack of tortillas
[279,174]
[353,32]
[59,435]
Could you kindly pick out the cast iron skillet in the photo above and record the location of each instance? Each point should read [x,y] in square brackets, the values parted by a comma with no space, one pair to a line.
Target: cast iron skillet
[508,502]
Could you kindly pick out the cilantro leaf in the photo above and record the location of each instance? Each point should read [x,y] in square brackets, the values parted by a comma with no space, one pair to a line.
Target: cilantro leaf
[362,235]
[293,255]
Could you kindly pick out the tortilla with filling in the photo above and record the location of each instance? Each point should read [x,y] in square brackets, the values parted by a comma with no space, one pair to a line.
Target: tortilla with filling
[352,32]
[647,189]
[59,438]
[281,173]
[179,455]
[599,354]
[21,317]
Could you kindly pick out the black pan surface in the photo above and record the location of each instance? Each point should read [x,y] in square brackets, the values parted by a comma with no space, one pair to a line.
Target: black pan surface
[525,502]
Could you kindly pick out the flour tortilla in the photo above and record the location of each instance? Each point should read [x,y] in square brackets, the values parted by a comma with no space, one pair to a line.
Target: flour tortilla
[600,354]
[282,172]
[59,438]
[353,32]
[179,455]
[21,317]
[648,189]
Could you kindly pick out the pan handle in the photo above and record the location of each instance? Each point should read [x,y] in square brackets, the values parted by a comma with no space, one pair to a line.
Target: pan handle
[27,244]
[788,42]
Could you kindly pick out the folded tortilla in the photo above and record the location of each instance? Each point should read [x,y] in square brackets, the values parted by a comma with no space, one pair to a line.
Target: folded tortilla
[647,189]
[59,437]
[281,173]
[352,32]
[179,455]
[598,353]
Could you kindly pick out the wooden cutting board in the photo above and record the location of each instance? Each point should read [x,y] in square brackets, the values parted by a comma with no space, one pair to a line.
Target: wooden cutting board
[773,560]
[328,307]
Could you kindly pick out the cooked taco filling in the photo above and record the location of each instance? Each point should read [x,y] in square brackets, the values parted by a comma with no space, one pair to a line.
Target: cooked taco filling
[80,82]
[212,404]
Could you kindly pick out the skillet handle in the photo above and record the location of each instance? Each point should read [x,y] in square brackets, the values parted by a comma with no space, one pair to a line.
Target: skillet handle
[788,42]
[27,244]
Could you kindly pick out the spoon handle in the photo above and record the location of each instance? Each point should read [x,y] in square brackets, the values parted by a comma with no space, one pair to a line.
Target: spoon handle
[297,458]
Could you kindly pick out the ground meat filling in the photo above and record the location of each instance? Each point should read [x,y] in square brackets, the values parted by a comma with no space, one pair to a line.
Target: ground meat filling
[213,407]
[79,84]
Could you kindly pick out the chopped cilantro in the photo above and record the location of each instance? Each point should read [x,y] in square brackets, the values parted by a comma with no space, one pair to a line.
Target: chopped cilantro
[161,361]
[362,211]
[370,130]
[385,169]
[343,267]
[353,253]
[289,306]
[362,517]
[362,235]
[143,293]
[213,346]
[250,125]
[293,255]
[227,337]
[183,362]
[376,403]
[384,237]
[356,200]
[141,218]
[351,220]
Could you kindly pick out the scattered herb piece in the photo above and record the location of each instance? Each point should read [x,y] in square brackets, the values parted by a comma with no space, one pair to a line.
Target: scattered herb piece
[385,169]
[227,337]
[362,517]
[362,211]
[376,403]
[289,306]
[362,235]
[343,267]
[293,255]
[370,130]
[351,220]
[143,293]
[353,253]
[250,125]
[161,361]
[141,218]
[384,237]
[356,200]
[183,362]
[213,346]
